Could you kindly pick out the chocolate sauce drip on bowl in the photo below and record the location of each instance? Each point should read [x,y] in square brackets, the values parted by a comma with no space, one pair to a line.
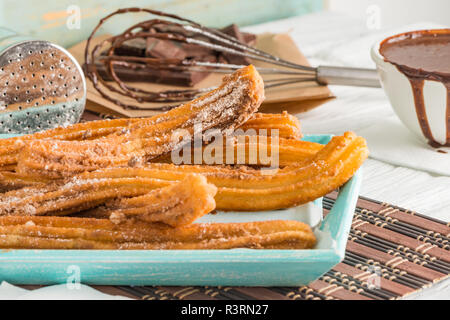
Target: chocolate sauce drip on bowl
[422,55]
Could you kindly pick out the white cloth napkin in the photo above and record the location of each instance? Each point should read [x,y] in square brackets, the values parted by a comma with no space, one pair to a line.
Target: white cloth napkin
[56,292]
[390,141]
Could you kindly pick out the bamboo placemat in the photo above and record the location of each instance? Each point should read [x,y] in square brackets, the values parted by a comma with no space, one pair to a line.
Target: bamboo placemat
[392,252]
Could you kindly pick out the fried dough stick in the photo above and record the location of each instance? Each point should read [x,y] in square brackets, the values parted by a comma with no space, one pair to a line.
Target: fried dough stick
[290,152]
[287,126]
[246,150]
[224,109]
[10,148]
[248,189]
[177,205]
[147,199]
[89,233]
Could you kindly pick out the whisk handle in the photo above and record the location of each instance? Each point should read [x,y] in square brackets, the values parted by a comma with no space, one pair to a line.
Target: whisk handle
[359,77]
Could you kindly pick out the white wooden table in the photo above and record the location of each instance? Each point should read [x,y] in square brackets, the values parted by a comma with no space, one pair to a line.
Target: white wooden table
[333,39]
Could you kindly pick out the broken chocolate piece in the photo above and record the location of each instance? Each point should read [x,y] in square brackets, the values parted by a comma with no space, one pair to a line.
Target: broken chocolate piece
[233,31]
[154,75]
[157,44]
[158,48]
[133,47]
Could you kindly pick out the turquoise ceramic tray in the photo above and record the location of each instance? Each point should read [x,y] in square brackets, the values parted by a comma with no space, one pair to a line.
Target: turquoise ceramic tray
[238,267]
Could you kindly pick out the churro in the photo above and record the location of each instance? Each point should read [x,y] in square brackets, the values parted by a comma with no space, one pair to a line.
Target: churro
[224,109]
[244,150]
[286,125]
[10,148]
[290,152]
[248,189]
[176,205]
[145,199]
[11,180]
[18,232]
[72,195]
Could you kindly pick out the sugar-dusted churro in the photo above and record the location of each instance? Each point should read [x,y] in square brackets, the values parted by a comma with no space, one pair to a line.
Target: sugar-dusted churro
[247,189]
[11,180]
[176,205]
[243,188]
[252,151]
[244,150]
[224,109]
[146,199]
[72,195]
[10,148]
[287,127]
[289,152]
[88,233]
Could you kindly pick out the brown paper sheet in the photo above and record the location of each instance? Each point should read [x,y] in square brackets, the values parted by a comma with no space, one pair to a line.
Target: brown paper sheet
[295,98]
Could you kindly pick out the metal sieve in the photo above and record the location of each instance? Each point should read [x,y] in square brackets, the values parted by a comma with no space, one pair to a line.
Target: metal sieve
[41,85]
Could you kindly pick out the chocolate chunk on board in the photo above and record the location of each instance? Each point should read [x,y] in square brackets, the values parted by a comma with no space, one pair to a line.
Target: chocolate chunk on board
[154,75]
[133,47]
[168,49]
[233,31]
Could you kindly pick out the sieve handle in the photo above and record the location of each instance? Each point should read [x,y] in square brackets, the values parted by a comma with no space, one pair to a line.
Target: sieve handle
[359,77]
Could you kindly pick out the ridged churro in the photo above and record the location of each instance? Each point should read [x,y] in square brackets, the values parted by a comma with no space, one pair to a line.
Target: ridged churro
[224,109]
[286,125]
[72,195]
[11,180]
[245,150]
[176,205]
[10,148]
[290,152]
[145,199]
[249,189]
[89,233]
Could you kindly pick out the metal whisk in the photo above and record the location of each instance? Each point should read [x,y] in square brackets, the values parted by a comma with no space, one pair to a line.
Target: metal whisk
[297,73]
[186,31]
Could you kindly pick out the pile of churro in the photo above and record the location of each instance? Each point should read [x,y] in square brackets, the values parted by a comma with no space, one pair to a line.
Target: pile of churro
[113,184]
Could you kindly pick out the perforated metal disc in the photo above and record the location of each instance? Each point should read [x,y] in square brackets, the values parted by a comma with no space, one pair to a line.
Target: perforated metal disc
[41,86]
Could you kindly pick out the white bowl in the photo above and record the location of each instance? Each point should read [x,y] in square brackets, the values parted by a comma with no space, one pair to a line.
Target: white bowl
[400,94]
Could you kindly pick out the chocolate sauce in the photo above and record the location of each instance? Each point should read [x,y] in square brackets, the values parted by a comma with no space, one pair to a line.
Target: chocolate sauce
[422,55]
